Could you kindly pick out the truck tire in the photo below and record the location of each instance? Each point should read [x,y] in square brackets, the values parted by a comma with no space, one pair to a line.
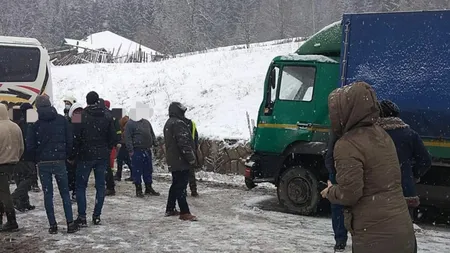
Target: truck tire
[249,183]
[298,191]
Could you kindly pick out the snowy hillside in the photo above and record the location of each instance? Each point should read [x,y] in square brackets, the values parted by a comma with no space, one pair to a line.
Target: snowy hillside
[218,87]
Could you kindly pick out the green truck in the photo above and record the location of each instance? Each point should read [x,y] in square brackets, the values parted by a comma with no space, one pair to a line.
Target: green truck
[405,56]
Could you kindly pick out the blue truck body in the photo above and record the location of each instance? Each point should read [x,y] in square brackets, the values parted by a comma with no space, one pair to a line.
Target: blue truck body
[405,56]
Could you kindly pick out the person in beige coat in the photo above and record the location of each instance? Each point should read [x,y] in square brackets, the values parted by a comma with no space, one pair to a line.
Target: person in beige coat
[368,175]
[11,149]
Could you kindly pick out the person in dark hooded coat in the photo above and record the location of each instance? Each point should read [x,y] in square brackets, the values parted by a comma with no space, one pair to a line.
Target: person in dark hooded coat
[25,169]
[337,211]
[414,158]
[50,141]
[180,156]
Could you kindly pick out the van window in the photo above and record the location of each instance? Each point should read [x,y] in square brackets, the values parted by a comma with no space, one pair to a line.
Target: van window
[19,64]
[297,83]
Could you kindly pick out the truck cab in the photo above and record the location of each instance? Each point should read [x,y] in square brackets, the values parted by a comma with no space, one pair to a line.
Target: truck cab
[385,50]
[291,135]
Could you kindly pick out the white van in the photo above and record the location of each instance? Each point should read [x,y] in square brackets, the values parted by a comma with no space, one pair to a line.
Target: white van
[24,71]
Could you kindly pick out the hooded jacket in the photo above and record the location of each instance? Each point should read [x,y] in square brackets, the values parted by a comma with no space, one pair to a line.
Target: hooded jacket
[11,140]
[412,154]
[96,135]
[50,137]
[368,174]
[24,125]
[180,147]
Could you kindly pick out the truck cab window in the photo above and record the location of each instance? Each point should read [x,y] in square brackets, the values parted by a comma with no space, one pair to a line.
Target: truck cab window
[273,90]
[297,83]
[19,64]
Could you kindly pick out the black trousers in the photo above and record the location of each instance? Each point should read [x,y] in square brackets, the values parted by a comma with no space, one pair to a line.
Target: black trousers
[6,170]
[177,192]
[192,180]
[72,176]
[109,178]
[23,173]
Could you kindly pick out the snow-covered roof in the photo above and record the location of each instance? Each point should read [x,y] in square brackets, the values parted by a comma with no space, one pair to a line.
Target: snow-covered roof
[111,42]
[317,58]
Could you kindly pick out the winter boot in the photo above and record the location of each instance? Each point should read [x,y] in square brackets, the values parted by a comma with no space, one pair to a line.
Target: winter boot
[110,192]
[81,222]
[150,191]
[194,193]
[188,217]
[19,206]
[339,247]
[72,227]
[173,212]
[96,220]
[29,207]
[35,188]
[2,211]
[11,225]
[53,229]
[74,197]
[139,193]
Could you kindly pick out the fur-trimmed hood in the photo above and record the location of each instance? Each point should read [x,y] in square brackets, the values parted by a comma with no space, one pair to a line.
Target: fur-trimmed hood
[391,123]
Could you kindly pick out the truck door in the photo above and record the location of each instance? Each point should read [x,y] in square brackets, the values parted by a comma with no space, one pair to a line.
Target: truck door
[288,114]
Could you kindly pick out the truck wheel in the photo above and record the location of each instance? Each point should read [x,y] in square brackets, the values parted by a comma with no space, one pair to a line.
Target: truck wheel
[249,183]
[298,191]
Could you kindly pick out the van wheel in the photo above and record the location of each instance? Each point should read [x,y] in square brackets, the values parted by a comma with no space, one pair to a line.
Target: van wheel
[298,191]
[249,183]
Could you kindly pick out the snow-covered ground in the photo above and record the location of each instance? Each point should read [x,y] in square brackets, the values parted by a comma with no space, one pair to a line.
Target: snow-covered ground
[217,87]
[230,220]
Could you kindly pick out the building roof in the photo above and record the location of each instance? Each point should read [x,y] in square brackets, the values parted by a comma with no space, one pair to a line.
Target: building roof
[111,42]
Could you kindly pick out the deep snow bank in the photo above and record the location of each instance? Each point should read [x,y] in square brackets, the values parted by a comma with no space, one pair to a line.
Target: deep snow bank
[217,87]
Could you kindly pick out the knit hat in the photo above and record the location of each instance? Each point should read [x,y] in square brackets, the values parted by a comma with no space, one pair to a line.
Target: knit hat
[389,109]
[42,101]
[25,106]
[92,98]
[107,104]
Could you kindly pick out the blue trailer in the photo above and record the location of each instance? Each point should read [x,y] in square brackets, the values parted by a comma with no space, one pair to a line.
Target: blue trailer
[405,56]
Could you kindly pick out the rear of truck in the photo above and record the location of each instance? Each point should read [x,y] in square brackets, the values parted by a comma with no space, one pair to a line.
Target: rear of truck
[406,58]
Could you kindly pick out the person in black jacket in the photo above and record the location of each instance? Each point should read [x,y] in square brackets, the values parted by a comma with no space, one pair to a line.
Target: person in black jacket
[194,135]
[74,119]
[93,143]
[50,140]
[180,156]
[110,185]
[337,211]
[25,169]
[414,158]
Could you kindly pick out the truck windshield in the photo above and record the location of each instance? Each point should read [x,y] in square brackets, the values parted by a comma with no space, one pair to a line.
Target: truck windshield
[19,64]
[297,83]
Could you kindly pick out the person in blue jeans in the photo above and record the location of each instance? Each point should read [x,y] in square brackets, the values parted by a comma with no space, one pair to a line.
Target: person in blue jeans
[139,140]
[49,141]
[95,138]
[337,211]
